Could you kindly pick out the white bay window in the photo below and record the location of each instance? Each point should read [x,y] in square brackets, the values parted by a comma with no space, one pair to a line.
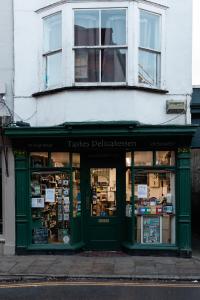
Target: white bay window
[112,44]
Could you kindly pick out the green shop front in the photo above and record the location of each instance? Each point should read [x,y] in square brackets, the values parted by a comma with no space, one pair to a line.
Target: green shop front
[103,186]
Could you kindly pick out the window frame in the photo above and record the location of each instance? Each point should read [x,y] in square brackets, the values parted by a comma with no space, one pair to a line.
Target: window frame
[47,54]
[148,169]
[157,52]
[69,169]
[101,47]
[150,8]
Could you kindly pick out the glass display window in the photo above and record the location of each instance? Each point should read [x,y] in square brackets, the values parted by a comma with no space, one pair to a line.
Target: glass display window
[165,158]
[76,160]
[76,194]
[55,196]
[143,158]
[154,197]
[39,159]
[128,159]
[60,159]
[50,207]
[153,185]
[128,193]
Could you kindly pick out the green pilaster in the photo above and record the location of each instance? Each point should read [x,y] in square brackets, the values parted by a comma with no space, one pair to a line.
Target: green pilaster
[22,196]
[184,203]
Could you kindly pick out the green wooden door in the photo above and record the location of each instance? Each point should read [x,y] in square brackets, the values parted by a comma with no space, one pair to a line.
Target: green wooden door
[103,202]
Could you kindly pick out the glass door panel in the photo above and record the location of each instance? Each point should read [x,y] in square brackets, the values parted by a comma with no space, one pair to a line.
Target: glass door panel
[103,192]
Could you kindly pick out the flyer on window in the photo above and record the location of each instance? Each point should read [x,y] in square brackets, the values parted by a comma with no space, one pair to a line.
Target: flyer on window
[37,202]
[50,195]
[142,191]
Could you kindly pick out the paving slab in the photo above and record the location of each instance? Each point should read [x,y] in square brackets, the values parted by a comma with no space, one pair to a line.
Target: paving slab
[91,266]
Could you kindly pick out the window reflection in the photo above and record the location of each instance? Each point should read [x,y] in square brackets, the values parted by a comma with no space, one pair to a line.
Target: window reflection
[86,28]
[113,27]
[113,65]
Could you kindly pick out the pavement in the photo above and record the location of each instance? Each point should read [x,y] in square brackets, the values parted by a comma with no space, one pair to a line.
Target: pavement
[100,265]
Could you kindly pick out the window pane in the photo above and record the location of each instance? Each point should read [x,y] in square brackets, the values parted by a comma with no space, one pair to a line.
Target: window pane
[50,207]
[149,68]
[76,160]
[53,76]
[155,207]
[128,159]
[39,159]
[166,158]
[60,159]
[87,65]
[113,27]
[103,192]
[128,193]
[52,33]
[76,194]
[86,28]
[143,158]
[149,30]
[113,65]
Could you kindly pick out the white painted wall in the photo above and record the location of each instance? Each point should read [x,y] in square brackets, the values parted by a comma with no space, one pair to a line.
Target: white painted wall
[7,238]
[104,105]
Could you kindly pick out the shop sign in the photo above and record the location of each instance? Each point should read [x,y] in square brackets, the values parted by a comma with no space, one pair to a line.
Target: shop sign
[102,143]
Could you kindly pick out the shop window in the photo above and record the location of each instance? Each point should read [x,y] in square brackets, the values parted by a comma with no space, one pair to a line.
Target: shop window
[154,199]
[149,49]
[143,158]
[76,194]
[128,159]
[39,159]
[128,193]
[151,179]
[165,158]
[55,197]
[52,49]
[76,160]
[60,159]
[100,45]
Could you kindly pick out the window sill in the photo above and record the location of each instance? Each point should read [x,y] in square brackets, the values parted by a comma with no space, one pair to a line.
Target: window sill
[98,87]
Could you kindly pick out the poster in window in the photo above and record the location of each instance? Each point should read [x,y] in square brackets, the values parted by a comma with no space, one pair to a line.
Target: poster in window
[151,230]
[154,180]
[142,191]
[38,202]
[50,195]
